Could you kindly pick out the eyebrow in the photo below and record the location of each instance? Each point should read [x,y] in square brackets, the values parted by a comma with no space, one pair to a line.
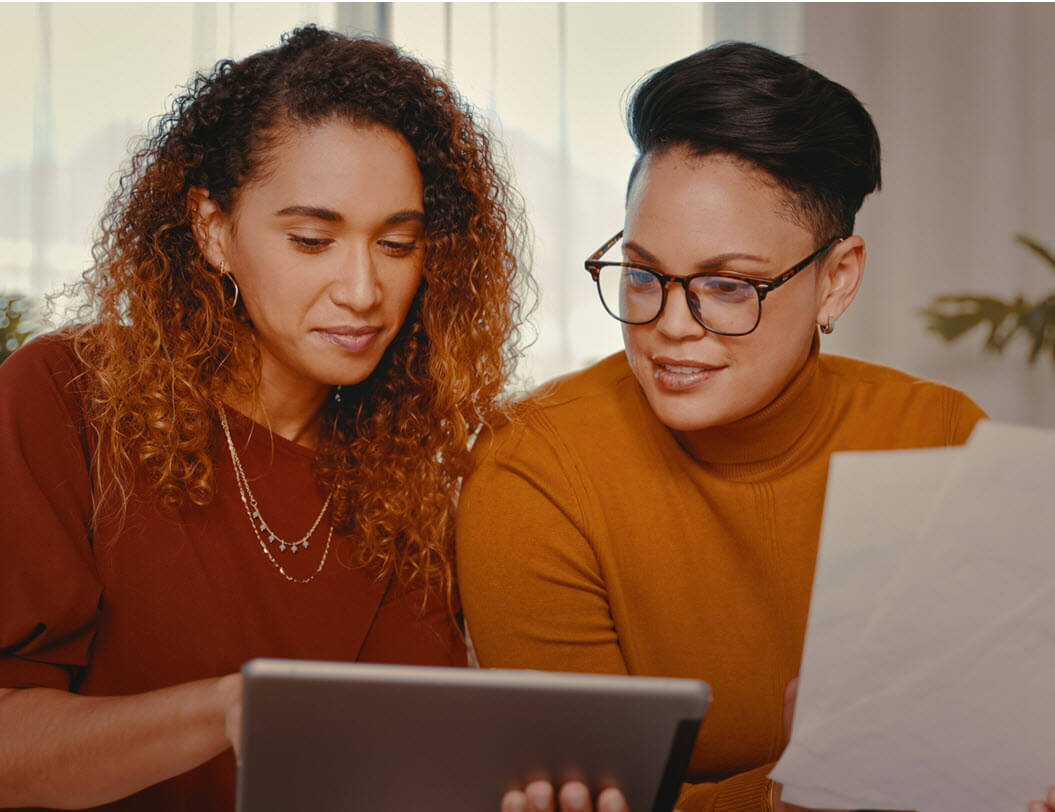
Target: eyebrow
[331,216]
[318,212]
[705,265]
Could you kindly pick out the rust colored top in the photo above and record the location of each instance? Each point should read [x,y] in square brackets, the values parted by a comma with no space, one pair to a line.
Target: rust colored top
[173,598]
[593,538]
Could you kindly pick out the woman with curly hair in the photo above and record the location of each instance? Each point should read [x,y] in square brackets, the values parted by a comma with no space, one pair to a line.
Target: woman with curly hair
[302,307]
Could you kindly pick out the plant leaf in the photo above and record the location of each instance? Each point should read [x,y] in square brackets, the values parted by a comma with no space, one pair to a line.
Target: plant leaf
[952,316]
[1037,249]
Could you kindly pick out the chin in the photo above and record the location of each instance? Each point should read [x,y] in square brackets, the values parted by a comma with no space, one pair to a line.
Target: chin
[681,414]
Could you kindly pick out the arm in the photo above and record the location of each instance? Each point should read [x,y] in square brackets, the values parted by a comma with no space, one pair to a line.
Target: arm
[62,750]
[58,748]
[531,586]
[533,598]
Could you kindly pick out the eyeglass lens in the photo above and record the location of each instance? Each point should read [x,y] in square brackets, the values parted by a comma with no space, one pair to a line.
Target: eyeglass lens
[635,296]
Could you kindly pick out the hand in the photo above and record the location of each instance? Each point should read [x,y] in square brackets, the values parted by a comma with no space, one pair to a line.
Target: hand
[230,694]
[790,694]
[789,714]
[573,797]
[1047,805]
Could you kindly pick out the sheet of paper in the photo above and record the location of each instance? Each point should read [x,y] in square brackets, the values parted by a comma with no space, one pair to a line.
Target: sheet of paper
[941,697]
[983,538]
[862,541]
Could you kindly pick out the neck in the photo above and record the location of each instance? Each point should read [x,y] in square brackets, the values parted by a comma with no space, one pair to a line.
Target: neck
[289,408]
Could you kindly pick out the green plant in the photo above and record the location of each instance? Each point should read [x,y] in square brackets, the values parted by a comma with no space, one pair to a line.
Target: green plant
[15,319]
[953,315]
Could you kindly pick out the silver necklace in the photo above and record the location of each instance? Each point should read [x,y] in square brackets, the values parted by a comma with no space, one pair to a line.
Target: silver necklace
[261,527]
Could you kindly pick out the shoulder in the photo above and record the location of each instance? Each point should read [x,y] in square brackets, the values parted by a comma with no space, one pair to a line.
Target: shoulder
[49,353]
[42,380]
[573,410]
[571,395]
[916,409]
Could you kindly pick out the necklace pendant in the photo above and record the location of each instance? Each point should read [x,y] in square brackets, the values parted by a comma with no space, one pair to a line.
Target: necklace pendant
[264,534]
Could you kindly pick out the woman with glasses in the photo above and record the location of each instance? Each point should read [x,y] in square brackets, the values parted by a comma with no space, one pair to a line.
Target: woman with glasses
[302,306]
[658,513]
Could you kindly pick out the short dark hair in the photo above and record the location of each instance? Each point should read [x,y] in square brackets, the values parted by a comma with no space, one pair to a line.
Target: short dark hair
[809,133]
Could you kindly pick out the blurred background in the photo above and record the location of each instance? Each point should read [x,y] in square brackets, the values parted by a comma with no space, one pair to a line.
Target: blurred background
[961,95]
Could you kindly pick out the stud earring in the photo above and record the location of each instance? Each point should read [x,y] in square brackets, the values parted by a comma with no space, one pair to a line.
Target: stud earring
[828,328]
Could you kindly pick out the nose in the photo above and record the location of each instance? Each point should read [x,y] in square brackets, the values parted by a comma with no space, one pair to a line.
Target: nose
[356,284]
[676,322]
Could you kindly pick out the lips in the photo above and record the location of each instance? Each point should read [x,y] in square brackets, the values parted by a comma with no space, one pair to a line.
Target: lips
[679,374]
[352,339]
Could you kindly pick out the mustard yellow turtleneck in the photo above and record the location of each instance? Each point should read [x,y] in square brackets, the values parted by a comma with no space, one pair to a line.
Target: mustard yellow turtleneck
[592,538]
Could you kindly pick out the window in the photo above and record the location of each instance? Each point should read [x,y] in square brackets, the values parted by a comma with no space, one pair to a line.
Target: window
[551,80]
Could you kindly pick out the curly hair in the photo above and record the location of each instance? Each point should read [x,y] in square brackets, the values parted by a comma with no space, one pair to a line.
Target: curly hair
[164,342]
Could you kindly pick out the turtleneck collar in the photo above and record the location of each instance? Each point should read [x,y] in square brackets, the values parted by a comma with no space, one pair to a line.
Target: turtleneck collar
[763,439]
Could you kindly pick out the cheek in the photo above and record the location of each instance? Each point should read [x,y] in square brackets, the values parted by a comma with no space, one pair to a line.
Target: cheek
[777,349]
[268,278]
[406,290]
[399,295]
[631,345]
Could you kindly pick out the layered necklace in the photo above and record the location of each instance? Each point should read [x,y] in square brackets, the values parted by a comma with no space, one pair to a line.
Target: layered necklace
[267,537]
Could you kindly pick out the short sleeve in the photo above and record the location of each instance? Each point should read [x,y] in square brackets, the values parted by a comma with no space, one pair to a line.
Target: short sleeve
[49,590]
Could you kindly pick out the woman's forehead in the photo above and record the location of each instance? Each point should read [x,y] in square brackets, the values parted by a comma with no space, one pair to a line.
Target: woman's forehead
[711,204]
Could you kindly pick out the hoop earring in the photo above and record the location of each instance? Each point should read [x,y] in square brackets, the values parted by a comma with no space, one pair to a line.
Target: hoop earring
[226,274]
[828,328]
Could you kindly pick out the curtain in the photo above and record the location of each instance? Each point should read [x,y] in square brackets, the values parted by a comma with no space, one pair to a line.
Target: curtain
[548,79]
[83,82]
[962,97]
[551,80]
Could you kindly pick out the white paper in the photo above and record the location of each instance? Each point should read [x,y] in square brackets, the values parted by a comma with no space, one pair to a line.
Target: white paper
[928,673]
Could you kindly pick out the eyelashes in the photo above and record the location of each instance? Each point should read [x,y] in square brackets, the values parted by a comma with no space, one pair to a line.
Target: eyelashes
[398,249]
[310,245]
[315,245]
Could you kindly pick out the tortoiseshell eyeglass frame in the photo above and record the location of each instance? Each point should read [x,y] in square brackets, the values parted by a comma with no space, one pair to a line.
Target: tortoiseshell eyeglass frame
[763,287]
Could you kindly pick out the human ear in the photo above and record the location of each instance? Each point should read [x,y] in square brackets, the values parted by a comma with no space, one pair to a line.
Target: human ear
[210,224]
[841,273]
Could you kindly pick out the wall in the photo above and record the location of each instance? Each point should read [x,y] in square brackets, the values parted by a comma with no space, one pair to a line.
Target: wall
[962,98]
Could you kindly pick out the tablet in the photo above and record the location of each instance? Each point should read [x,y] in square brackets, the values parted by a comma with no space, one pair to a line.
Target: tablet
[349,736]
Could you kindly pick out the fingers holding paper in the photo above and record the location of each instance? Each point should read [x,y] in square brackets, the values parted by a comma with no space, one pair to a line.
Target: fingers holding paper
[790,693]
[1048,805]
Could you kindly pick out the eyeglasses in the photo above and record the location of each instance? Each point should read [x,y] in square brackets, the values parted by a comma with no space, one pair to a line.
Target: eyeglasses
[724,303]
